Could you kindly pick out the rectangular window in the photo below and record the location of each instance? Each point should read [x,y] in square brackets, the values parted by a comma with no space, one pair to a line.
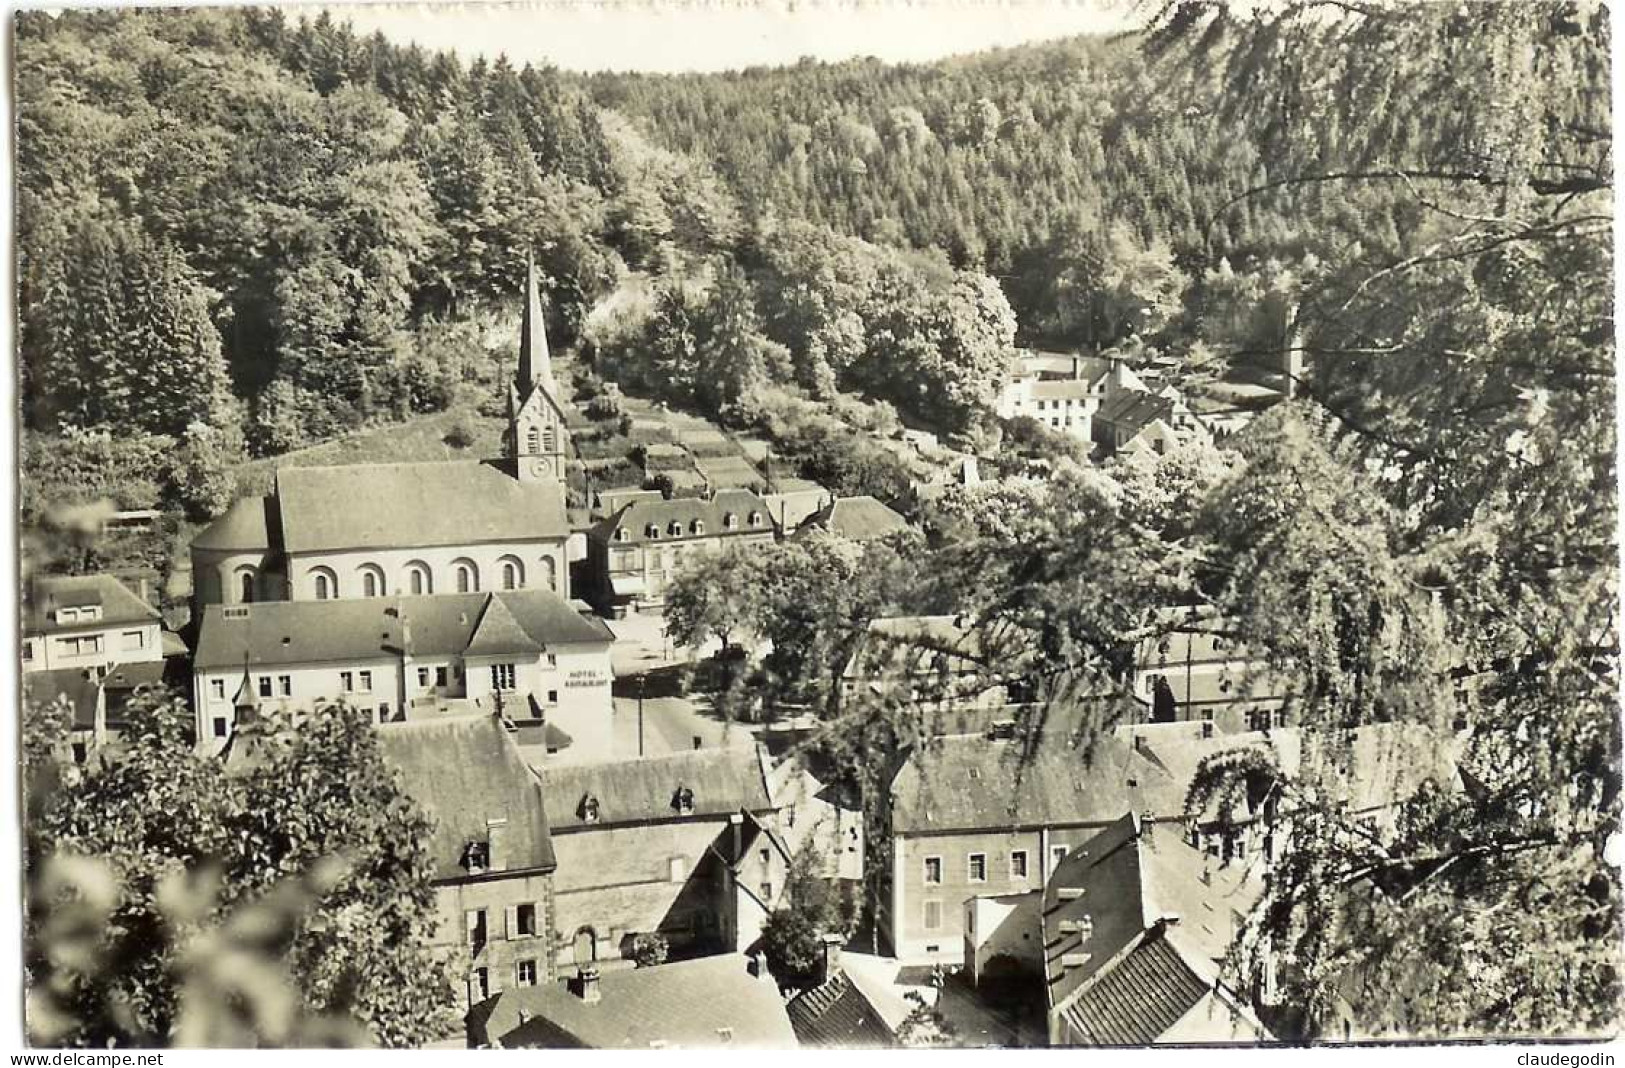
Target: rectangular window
[527,973]
[481,984]
[1018,864]
[978,867]
[475,920]
[265,686]
[552,660]
[766,856]
[133,640]
[423,677]
[933,915]
[933,871]
[383,712]
[767,893]
[347,681]
[440,677]
[552,697]
[28,651]
[217,689]
[502,677]
[285,685]
[220,726]
[366,681]
[525,921]
[1057,854]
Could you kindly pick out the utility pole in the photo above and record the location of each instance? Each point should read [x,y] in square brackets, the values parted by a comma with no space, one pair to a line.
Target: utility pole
[643,681]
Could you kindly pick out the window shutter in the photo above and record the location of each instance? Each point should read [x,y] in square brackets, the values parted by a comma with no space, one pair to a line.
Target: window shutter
[511,917]
[543,927]
[496,980]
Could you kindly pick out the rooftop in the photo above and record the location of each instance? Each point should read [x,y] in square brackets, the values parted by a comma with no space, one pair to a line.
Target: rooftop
[837,1014]
[709,1002]
[858,518]
[244,527]
[270,633]
[383,506]
[722,782]
[466,771]
[638,516]
[45,596]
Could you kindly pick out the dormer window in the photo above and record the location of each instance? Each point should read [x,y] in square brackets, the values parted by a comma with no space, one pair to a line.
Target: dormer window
[622,534]
[696,527]
[683,800]
[730,521]
[675,528]
[477,857]
[589,809]
[756,519]
[651,531]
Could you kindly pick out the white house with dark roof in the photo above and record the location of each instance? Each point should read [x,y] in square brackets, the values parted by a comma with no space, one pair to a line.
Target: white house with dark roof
[683,845]
[526,653]
[87,623]
[635,553]
[413,529]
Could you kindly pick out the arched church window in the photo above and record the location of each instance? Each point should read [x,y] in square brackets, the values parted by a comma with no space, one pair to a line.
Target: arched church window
[550,573]
[468,576]
[372,581]
[245,585]
[419,579]
[513,573]
[533,440]
[326,584]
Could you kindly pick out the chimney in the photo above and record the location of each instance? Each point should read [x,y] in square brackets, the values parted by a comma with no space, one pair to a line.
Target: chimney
[1139,743]
[831,965]
[587,984]
[756,965]
[698,741]
[496,854]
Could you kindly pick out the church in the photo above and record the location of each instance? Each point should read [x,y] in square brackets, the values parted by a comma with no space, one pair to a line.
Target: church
[409,529]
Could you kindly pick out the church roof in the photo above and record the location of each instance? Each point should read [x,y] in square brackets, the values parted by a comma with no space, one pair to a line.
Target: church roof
[535,365]
[414,505]
[361,629]
[245,526]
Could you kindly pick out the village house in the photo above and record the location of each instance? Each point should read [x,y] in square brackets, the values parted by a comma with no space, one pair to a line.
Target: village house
[984,817]
[415,529]
[634,554]
[1192,669]
[87,623]
[1134,932]
[525,653]
[855,518]
[844,1009]
[1131,420]
[726,1001]
[493,860]
[680,845]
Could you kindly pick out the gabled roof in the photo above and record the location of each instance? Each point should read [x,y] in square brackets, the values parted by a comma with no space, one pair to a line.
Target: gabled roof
[837,1014]
[465,771]
[1134,925]
[44,595]
[413,505]
[1131,410]
[709,1002]
[858,518]
[360,629]
[723,781]
[498,633]
[244,527]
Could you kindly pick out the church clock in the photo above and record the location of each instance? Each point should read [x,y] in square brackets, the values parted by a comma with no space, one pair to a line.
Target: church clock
[539,466]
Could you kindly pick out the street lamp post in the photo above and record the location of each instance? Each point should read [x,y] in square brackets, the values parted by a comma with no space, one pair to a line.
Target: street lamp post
[643,681]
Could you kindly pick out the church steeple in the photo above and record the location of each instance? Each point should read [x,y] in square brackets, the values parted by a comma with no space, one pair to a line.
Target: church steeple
[535,365]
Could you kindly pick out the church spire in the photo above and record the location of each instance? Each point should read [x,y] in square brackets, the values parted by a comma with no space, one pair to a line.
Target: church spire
[535,365]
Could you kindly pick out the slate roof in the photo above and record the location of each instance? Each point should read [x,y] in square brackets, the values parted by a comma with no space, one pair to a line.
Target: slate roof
[724,781]
[464,771]
[858,518]
[75,685]
[1150,917]
[1140,998]
[1061,389]
[244,527]
[45,594]
[837,1015]
[385,506]
[636,517]
[309,632]
[709,1002]
[498,633]
[1131,410]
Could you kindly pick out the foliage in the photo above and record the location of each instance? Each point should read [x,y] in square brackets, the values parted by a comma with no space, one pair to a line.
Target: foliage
[925,1026]
[291,804]
[649,949]
[793,936]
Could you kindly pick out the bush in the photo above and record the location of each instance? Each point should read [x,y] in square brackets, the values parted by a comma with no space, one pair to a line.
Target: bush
[649,949]
[605,407]
[459,435]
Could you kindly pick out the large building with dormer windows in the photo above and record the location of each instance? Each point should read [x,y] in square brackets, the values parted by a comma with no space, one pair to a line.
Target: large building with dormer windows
[636,552]
[410,529]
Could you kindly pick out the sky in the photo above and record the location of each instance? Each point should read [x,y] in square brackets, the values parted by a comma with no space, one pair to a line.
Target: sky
[712,35]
